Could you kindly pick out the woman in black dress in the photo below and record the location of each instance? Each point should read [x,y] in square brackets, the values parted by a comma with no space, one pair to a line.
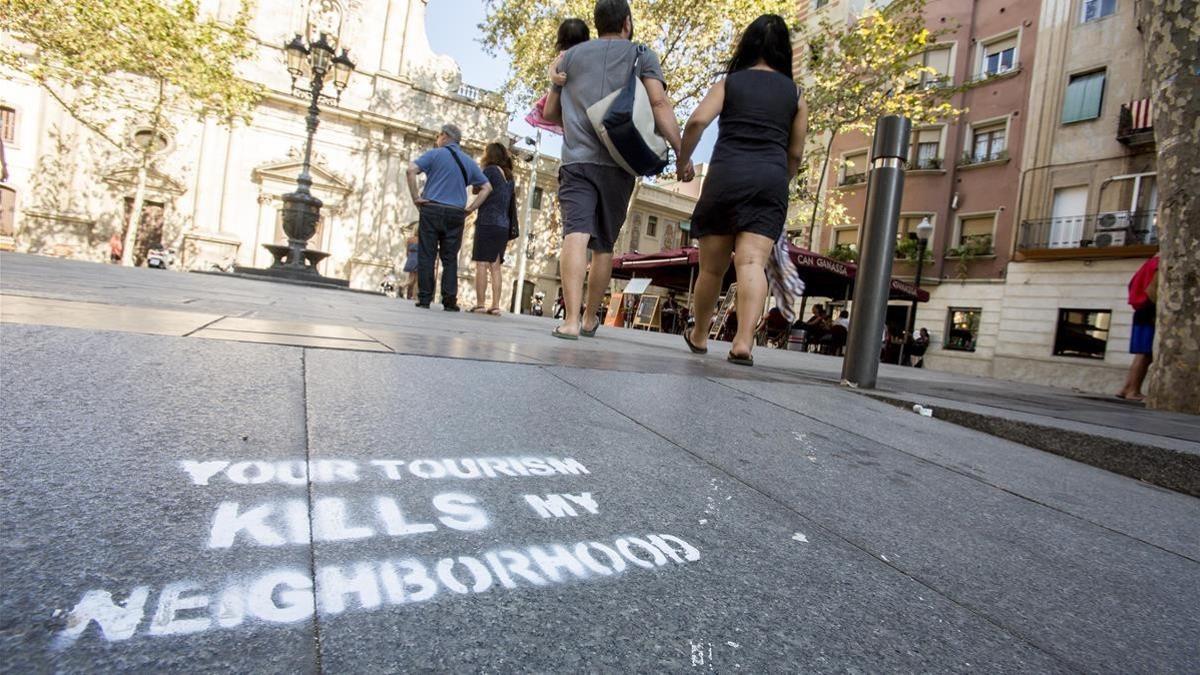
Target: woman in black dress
[491,226]
[743,205]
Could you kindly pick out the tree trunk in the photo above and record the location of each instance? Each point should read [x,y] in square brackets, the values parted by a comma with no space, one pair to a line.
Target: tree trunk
[1173,65]
[135,218]
[139,193]
[812,221]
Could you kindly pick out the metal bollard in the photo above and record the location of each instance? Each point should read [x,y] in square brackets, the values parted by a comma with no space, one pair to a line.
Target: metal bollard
[877,250]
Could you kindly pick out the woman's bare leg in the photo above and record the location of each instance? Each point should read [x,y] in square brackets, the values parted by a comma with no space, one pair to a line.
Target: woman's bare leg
[497,284]
[714,262]
[751,252]
[481,271]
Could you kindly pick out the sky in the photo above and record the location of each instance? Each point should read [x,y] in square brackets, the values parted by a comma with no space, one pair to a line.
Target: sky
[453,29]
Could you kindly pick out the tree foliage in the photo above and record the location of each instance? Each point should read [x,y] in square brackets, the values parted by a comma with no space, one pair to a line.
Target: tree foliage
[857,72]
[102,59]
[692,39]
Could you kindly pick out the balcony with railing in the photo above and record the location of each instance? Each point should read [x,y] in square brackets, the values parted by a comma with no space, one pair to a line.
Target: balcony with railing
[1135,126]
[1116,234]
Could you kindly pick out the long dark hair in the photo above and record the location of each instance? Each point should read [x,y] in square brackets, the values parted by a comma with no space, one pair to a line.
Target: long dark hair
[495,154]
[570,33]
[767,39]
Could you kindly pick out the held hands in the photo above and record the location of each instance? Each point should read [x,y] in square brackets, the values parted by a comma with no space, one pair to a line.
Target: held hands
[685,171]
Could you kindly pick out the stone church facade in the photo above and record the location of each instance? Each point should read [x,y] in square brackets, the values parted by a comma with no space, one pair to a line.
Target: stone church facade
[215,190]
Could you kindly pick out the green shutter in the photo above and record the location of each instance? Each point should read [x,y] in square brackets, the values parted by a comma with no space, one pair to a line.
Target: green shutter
[1093,93]
[1084,95]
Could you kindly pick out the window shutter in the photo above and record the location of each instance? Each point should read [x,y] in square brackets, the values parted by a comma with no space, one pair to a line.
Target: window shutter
[1093,94]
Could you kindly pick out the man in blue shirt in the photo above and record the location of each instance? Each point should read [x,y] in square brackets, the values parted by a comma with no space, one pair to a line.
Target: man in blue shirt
[443,207]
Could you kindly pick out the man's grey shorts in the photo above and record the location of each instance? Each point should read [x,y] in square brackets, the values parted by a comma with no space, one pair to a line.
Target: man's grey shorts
[594,200]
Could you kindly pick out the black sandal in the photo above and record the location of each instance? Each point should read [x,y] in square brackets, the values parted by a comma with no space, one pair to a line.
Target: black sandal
[687,337]
[746,360]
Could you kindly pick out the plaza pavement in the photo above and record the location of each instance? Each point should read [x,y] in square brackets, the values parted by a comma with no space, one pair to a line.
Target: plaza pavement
[202,473]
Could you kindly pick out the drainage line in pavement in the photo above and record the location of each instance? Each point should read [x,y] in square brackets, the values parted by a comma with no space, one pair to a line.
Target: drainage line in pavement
[312,552]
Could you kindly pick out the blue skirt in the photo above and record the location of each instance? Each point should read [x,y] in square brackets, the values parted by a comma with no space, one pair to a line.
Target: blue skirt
[1141,338]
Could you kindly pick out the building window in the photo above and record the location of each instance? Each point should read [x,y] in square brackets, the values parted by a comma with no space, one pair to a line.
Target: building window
[938,59]
[926,152]
[988,143]
[1082,333]
[1097,9]
[976,232]
[854,169]
[847,236]
[962,328]
[909,222]
[999,56]
[652,226]
[8,124]
[818,4]
[537,197]
[1085,93]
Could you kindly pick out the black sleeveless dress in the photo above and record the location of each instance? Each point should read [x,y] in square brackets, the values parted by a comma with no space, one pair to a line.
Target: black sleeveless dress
[746,189]
[491,221]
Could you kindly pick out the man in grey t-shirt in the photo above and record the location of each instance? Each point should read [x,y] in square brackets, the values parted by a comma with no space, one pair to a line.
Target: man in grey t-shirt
[593,190]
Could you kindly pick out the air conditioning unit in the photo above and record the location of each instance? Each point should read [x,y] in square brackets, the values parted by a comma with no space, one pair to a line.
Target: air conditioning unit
[1112,229]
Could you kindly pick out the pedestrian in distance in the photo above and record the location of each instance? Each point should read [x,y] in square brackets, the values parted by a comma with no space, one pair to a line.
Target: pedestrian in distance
[1143,297]
[743,205]
[594,190]
[443,207]
[411,260]
[492,224]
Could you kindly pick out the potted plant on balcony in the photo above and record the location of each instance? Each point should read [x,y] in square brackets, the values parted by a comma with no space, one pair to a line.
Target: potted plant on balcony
[972,247]
[906,251]
[843,252]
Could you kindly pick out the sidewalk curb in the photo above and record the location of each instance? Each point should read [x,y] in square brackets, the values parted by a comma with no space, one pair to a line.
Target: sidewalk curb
[1164,467]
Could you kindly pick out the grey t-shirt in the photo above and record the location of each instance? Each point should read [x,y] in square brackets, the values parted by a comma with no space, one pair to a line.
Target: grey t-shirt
[595,69]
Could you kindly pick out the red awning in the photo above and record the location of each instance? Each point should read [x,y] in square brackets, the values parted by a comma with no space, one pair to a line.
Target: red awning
[823,276]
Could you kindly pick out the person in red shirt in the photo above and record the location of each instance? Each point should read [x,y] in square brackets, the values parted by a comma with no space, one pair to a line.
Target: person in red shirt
[1143,291]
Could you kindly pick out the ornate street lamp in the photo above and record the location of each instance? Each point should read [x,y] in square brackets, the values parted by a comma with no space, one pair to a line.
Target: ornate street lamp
[922,235]
[301,209]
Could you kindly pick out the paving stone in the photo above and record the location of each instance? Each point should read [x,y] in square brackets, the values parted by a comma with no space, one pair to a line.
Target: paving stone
[1095,598]
[94,498]
[769,587]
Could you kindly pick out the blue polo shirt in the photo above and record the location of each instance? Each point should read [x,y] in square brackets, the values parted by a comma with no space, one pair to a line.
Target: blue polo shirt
[444,180]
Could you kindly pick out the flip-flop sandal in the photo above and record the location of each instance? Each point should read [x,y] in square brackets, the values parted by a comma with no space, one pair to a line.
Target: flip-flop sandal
[589,333]
[563,336]
[477,309]
[740,360]
[495,311]
[688,339]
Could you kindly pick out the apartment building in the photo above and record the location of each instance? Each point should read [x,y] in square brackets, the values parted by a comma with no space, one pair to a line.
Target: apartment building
[1087,209]
[1046,184]
[963,175]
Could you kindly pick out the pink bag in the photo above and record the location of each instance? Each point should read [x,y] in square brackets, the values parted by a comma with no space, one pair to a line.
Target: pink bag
[535,118]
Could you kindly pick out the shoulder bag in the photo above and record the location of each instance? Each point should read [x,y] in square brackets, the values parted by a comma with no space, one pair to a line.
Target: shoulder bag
[624,121]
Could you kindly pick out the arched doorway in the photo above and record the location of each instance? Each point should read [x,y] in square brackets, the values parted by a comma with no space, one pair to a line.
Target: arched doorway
[8,215]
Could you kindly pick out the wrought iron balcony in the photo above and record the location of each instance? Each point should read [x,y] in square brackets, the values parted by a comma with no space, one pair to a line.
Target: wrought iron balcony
[1117,233]
[1135,126]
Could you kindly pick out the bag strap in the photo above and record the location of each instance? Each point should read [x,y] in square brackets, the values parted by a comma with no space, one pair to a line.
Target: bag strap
[461,168]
